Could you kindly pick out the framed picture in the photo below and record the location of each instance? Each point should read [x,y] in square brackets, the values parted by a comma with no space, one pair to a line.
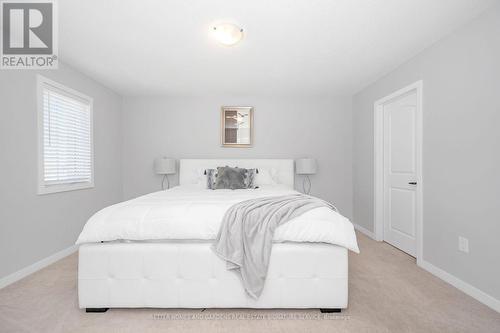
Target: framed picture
[237,126]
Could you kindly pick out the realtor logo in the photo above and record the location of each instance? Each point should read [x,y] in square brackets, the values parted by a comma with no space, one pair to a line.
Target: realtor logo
[29,34]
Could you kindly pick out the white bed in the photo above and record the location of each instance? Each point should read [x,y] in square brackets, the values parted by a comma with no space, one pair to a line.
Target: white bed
[156,250]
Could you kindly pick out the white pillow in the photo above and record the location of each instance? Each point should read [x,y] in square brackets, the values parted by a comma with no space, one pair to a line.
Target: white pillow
[199,177]
[266,177]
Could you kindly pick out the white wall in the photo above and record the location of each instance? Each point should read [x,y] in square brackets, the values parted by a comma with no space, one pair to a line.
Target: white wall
[461,149]
[285,127]
[33,227]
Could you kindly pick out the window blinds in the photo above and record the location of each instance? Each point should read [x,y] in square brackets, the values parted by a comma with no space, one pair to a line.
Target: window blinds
[67,142]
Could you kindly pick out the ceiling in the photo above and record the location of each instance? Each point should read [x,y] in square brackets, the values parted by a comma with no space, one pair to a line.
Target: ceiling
[290,47]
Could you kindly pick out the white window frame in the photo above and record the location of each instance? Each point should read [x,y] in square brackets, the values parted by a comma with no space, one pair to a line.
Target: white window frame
[44,188]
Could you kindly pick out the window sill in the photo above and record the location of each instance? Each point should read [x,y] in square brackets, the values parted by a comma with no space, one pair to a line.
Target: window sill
[48,189]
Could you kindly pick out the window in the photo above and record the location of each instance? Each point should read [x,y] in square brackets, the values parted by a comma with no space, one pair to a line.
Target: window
[65,138]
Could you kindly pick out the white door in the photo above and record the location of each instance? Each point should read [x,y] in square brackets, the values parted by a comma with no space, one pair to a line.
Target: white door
[400,171]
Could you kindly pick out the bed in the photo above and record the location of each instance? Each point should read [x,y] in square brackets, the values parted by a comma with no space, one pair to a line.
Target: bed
[155,250]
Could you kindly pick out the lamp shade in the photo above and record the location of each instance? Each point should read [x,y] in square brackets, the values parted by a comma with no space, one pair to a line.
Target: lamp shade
[164,166]
[305,166]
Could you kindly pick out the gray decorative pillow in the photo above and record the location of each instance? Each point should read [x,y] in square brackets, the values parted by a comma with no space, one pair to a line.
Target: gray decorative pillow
[230,178]
[250,178]
[211,176]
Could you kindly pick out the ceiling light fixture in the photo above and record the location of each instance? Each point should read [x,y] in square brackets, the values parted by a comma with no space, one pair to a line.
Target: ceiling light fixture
[227,33]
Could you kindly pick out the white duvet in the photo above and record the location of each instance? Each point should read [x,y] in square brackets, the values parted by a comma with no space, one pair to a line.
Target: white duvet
[192,213]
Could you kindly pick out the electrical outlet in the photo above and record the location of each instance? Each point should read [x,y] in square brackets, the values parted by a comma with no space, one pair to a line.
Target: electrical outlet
[463,244]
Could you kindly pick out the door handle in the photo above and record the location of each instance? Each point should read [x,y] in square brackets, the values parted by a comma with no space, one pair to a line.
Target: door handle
[412,183]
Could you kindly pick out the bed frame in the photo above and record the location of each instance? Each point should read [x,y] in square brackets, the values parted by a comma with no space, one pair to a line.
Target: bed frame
[187,274]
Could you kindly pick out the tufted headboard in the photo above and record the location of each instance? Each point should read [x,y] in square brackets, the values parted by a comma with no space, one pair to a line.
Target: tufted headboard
[188,168]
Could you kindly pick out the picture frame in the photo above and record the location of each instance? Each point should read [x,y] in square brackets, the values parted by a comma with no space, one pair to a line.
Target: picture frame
[237,126]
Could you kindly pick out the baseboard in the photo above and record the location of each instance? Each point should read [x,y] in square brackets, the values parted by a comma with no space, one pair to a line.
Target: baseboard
[365,231]
[16,276]
[468,289]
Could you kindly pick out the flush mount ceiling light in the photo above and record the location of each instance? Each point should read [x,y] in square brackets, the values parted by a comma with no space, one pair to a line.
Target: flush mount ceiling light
[227,33]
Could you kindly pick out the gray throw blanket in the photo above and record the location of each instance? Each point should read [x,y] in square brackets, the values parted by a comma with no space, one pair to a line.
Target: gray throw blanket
[246,234]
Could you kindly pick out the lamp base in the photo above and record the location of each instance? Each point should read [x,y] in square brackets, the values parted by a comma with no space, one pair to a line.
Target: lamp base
[306,184]
[165,176]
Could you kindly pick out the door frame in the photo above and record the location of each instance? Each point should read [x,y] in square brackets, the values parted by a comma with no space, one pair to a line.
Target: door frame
[379,164]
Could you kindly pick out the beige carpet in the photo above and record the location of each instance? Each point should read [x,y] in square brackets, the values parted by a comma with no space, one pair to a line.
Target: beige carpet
[388,293]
